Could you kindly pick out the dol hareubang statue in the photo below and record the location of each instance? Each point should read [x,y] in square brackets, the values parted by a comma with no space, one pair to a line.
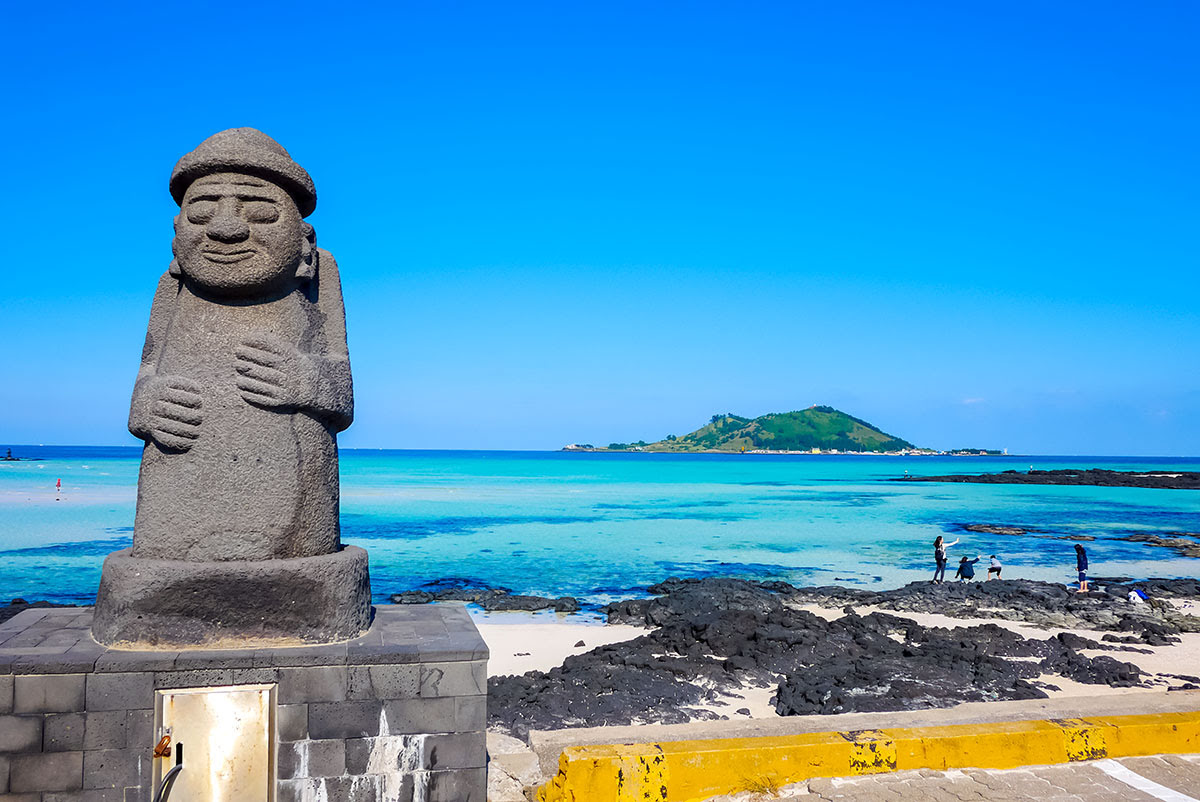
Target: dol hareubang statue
[244,384]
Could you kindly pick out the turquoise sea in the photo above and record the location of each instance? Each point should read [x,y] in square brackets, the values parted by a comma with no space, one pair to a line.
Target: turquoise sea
[600,526]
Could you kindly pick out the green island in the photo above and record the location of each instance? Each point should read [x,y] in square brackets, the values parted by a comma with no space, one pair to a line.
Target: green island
[816,430]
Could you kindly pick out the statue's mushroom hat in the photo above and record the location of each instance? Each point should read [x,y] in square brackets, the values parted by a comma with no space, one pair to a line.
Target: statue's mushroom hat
[250,151]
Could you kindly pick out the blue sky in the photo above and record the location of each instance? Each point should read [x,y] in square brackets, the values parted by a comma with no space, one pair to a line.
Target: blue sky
[968,223]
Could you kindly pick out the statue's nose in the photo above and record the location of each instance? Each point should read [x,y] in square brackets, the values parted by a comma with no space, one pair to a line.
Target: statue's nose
[227,225]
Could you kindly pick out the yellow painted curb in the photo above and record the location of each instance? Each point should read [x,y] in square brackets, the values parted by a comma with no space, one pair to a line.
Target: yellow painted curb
[689,771]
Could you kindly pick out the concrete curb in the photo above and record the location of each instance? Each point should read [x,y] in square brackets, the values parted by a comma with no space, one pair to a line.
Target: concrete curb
[689,771]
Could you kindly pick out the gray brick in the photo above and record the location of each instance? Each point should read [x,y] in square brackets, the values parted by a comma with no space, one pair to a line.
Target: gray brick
[384,681]
[127,691]
[67,662]
[214,658]
[48,693]
[63,732]
[332,654]
[20,798]
[380,653]
[358,753]
[56,771]
[63,796]
[290,761]
[294,790]
[20,733]
[6,696]
[106,730]
[470,713]
[193,679]
[291,722]
[316,684]
[4,764]
[458,751]
[115,794]
[420,715]
[113,768]
[139,729]
[343,719]
[255,676]
[124,662]
[27,618]
[462,785]
[343,789]
[325,758]
[464,678]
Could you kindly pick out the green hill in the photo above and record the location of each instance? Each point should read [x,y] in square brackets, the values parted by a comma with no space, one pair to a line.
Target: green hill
[820,427]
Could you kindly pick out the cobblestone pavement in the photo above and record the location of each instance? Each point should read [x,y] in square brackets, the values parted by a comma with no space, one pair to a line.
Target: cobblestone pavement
[1163,778]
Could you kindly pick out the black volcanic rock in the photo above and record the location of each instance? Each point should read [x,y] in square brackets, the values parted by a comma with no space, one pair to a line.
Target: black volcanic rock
[713,635]
[1171,480]
[489,598]
[1187,544]
[1041,603]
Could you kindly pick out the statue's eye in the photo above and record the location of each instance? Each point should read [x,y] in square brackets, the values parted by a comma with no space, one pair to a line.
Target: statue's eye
[260,212]
[201,211]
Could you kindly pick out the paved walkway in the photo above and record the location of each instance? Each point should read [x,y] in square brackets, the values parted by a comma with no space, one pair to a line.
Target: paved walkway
[1163,778]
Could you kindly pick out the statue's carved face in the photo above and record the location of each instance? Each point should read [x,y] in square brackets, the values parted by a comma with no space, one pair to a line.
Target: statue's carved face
[238,234]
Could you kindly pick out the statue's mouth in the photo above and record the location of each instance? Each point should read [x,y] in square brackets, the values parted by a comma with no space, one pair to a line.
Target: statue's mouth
[228,257]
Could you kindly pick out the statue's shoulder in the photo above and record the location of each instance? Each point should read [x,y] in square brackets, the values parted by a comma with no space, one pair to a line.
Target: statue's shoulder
[324,258]
[170,280]
[327,269]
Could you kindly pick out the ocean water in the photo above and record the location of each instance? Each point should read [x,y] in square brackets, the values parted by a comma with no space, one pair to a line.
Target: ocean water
[604,526]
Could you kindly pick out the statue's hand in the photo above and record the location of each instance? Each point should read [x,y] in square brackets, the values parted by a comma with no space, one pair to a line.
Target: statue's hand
[273,374]
[175,412]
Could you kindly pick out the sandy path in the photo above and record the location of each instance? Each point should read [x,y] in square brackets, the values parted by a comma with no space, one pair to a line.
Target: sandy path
[522,642]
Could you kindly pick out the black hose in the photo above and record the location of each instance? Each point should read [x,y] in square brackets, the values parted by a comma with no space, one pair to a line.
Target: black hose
[168,780]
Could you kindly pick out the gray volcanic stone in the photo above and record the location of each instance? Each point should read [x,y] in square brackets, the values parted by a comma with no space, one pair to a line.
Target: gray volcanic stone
[244,385]
[163,603]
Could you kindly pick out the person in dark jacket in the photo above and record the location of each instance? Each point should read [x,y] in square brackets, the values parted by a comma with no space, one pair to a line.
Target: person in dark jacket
[966,570]
[1081,564]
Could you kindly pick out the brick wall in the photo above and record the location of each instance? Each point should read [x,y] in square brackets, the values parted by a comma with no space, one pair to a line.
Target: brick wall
[396,715]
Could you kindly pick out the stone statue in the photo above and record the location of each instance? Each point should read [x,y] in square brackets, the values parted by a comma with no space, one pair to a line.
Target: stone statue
[244,385]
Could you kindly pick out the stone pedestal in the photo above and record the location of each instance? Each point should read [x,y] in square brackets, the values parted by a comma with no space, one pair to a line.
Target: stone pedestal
[397,714]
[155,604]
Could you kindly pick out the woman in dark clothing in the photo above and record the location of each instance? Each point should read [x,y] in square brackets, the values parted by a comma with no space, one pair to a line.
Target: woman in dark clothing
[966,570]
[1081,565]
[939,557]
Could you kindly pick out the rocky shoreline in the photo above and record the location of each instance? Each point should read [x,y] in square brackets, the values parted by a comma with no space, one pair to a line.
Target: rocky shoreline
[1167,480]
[710,638]
[489,598]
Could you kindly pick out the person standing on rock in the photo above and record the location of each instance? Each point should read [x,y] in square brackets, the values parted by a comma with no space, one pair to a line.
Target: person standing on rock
[1081,565]
[939,557]
[994,568]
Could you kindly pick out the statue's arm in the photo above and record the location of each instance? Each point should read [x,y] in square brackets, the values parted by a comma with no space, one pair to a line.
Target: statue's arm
[333,394]
[166,297]
[277,375]
[165,409]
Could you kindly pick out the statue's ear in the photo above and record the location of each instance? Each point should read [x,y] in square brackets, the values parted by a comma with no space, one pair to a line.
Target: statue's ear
[307,269]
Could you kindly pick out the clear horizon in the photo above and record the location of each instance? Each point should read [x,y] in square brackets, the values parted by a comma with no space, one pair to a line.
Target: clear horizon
[138,446]
[971,226]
